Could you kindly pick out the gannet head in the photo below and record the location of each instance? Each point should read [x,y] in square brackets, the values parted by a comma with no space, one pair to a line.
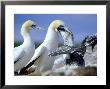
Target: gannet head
[59,26]
[67,35]
[56,23]
[85,41]
[89,40]
[28,25]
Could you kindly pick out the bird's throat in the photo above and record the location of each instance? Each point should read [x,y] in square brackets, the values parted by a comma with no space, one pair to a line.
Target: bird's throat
[51,38]
[26,36]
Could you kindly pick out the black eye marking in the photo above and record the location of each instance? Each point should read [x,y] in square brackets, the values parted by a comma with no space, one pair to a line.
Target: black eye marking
[61,28]
[33,25]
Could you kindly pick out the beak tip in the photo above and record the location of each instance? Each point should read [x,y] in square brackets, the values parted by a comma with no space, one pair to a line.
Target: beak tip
[40,29]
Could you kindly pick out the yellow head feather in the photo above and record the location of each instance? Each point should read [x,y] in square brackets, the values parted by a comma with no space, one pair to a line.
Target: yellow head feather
[56,23]
[27,24]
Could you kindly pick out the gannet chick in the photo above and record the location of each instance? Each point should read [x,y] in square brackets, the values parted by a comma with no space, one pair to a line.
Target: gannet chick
[24,52]
[92,41]
[41,58]
[68,43]
[75,55]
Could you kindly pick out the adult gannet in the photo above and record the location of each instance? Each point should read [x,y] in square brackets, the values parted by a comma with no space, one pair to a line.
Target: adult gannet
[41,58]
[24,52]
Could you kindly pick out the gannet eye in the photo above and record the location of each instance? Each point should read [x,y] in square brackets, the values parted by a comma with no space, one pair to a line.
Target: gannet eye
[33,25]
[61,28]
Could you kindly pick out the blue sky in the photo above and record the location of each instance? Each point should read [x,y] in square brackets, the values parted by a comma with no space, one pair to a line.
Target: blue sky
[80,24]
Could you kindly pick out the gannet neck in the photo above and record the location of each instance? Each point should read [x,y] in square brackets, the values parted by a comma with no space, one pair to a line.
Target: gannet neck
[51,35]
[26,36]
[83,48]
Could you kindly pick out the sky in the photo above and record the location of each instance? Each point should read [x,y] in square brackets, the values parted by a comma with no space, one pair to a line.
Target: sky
[81,25]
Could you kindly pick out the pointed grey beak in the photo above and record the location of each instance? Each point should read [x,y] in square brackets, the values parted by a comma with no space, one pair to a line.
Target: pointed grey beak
[37,28]
[63,29]
[40,29]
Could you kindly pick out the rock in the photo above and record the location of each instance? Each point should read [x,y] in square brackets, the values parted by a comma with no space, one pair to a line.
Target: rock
[85,71]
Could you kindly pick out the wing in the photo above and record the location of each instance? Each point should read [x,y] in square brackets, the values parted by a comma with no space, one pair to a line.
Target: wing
[79,51]
[61,50]
[38,53]
[75,58]
[76,50]
[18,54]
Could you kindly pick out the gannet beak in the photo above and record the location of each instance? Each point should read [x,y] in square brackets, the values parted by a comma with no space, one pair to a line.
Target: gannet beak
[67,31]
[63,29]
[40,29]
[37,27]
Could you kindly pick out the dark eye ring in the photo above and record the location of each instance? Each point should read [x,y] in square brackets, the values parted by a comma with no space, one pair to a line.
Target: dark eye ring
[33,25]
[61,28]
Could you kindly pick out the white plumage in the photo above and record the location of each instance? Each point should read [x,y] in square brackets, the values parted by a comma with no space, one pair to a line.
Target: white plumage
[43,61]
[24,52]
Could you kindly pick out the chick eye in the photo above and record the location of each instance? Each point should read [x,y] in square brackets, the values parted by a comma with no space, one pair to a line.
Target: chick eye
[61,28]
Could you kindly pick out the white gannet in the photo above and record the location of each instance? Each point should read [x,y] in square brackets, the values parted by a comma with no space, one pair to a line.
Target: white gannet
[41,58]
[24,52]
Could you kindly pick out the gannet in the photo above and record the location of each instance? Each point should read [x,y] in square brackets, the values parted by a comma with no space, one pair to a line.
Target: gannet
[92,41]
[41,58]
[24,52]
[68,42]
[74,57]
[75,54]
